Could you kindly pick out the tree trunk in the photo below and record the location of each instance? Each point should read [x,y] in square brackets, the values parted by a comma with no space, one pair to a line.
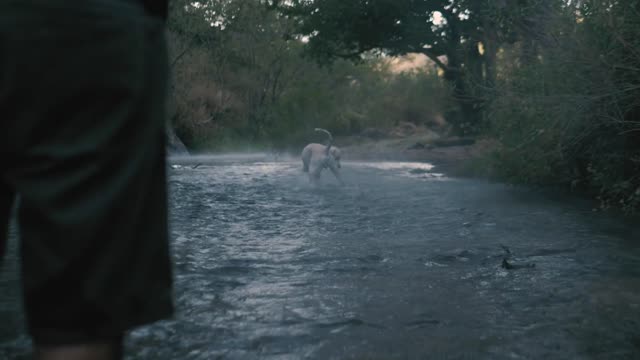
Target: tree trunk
[175,146]
[469,117]
[490,42]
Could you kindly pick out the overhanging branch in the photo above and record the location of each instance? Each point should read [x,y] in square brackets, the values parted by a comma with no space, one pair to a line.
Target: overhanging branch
[177,58]
[435,59]
[350,54]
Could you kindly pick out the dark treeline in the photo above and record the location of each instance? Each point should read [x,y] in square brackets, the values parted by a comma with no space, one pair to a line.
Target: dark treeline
[242,78]
[555,83]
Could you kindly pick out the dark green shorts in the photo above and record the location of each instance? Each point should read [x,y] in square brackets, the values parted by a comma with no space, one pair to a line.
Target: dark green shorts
[82,145]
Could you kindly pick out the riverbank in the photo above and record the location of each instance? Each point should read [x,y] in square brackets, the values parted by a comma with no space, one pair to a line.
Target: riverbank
[453,155]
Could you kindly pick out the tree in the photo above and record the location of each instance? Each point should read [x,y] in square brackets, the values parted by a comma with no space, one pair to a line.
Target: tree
[240,77]
[567,108]
[461,37]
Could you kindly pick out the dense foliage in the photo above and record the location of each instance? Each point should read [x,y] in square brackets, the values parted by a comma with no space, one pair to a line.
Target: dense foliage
[240,79]
[555,82]
[570,115]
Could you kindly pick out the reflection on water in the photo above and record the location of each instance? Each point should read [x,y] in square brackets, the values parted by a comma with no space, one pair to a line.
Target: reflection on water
[394,165]
[388,267]
[409,169]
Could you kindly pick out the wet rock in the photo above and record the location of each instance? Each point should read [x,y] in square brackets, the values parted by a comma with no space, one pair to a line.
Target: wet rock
[403,130]
[508,261]
[505,265]
[418,171]
[420,146]
[416,146]
[509,266]
[451,256]
[454,141]
[373,133]
[422,323]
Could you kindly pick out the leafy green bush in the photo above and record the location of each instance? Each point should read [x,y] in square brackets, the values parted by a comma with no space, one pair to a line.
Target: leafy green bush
[571,116]
[248,83]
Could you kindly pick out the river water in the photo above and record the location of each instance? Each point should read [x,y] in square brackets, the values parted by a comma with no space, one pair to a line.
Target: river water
[401,263]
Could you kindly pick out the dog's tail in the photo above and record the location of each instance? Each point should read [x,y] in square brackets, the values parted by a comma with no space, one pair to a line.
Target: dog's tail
[329,137]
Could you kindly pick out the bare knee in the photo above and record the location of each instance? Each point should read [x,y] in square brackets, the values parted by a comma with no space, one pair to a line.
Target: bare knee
[95,351]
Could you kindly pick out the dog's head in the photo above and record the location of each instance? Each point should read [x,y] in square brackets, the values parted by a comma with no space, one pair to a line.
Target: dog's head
[336,154]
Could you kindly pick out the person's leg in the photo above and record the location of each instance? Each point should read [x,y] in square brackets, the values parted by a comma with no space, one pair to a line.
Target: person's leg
[88,85]
[6,204]
[89,351]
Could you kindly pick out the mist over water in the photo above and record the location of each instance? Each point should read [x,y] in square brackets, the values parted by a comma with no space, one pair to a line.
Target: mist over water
[401,263]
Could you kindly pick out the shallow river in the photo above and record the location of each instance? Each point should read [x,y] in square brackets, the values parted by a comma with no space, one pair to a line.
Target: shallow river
[401,263]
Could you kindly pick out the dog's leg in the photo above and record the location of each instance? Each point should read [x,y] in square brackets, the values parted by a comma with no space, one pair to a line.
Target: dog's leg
[306,158]
[315,170]
[336,173]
